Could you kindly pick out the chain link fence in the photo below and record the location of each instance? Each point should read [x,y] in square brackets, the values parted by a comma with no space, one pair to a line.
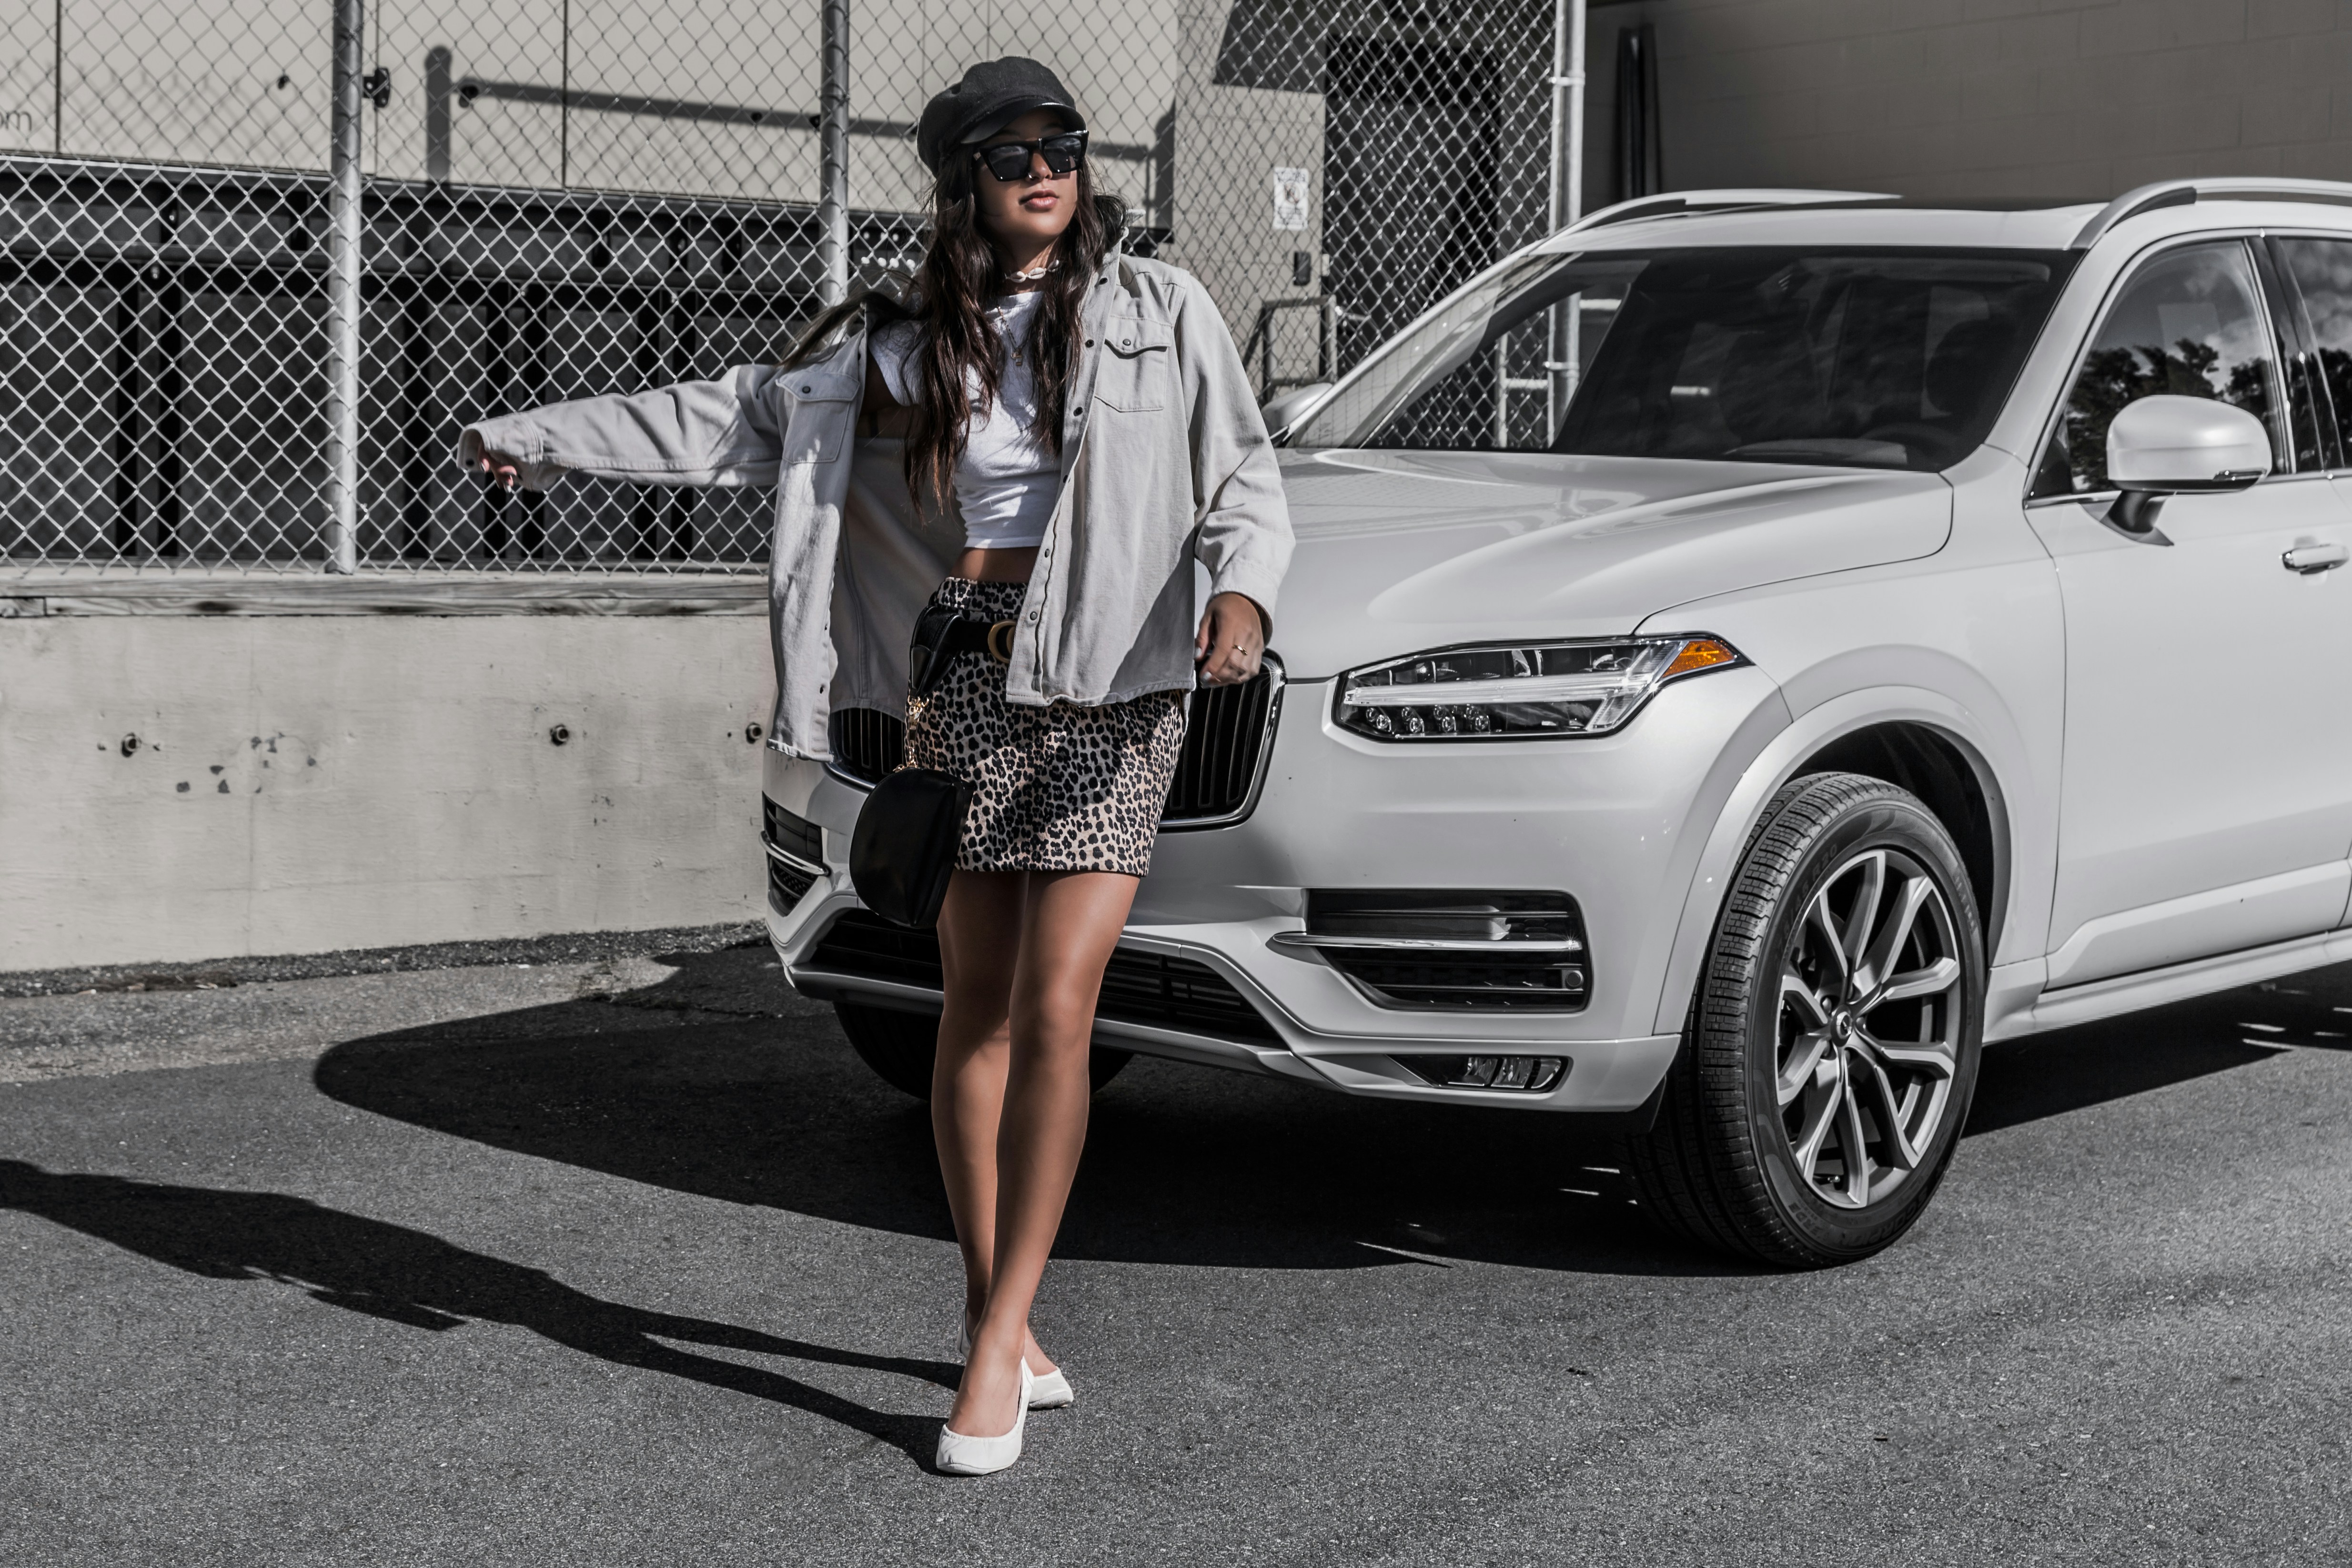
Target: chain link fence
[543,199]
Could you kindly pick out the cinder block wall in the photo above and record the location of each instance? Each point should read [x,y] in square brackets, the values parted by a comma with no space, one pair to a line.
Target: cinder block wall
[1955,98]
[305,784]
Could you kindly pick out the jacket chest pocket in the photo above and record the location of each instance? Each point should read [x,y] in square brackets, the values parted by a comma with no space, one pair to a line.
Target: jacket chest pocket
[819,427]
[1137,370]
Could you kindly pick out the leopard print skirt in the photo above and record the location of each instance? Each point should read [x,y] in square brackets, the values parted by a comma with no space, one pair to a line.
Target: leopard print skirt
[1063,788]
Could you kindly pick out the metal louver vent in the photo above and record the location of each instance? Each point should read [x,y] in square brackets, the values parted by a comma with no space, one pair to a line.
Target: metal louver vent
[867,743]
[1225,736]
[795,850]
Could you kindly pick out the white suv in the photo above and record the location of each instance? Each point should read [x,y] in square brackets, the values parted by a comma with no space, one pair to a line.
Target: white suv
[1744,651]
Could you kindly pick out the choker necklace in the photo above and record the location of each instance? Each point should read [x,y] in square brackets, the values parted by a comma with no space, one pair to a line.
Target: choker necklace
[1035,273]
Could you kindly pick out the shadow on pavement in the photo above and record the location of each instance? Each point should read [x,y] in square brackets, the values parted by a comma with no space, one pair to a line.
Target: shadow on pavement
[715,1083]
[1228,1170]
[2073,1069]
[1225,1171]
[409,1277]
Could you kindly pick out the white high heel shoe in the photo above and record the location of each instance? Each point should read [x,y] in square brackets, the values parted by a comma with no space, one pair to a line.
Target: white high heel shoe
[1051,1391]
[962,1455]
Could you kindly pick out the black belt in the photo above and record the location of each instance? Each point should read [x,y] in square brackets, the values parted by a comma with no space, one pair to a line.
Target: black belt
[941,633]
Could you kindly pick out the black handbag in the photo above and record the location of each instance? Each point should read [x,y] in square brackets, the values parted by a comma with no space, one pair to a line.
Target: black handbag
[941,633]
[904,849]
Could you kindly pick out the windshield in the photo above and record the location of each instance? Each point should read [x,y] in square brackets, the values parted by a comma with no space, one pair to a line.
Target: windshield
[1879,357]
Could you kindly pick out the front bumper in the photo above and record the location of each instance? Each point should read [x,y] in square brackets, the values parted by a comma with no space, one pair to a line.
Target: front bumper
[1616,821]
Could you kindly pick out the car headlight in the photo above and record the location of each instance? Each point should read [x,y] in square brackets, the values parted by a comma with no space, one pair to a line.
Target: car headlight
[1516,691]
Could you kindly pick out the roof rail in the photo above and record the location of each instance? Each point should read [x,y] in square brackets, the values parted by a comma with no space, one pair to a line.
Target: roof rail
[1681,202]
[2181,193]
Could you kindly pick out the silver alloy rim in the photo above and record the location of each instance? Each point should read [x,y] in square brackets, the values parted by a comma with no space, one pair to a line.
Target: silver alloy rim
[1869,1019]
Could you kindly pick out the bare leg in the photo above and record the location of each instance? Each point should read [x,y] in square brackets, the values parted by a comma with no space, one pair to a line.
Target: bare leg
[980,945]
[980,942]
[1070,922]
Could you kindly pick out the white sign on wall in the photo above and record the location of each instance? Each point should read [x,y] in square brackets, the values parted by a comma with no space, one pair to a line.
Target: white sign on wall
[1290,198]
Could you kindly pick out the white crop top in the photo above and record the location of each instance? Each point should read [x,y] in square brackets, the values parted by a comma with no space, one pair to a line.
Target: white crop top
[1006,483]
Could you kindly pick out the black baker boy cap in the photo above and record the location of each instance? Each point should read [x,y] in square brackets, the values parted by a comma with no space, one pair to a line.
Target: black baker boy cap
[992,95]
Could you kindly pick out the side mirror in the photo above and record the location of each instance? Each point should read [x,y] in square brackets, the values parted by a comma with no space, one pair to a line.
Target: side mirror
[2167,445]
[1285,408]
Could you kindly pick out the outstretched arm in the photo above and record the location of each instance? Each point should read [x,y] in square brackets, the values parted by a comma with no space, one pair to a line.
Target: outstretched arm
[725,432]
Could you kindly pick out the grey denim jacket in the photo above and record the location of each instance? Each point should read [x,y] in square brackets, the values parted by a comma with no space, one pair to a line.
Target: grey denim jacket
[1164,460]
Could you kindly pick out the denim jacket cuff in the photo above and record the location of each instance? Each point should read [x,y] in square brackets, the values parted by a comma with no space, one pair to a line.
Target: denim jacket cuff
[518,437]
[1249,578]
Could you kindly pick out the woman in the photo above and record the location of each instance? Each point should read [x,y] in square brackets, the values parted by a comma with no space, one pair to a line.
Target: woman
[1085,415]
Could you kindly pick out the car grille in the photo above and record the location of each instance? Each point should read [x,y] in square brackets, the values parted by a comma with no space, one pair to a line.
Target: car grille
[1177,993]
[867,743]
[1138,987]
[1225,742]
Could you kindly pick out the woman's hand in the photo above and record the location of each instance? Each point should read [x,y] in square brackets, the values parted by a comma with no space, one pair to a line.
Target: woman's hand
[1232,640]
[503,467]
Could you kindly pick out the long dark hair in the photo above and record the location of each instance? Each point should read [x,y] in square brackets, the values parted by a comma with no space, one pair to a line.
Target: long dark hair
[958,276]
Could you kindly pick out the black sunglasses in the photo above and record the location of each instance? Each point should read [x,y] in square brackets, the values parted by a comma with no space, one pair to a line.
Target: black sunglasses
[1009,161]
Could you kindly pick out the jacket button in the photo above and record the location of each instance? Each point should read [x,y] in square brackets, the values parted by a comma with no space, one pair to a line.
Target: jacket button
[1032,617]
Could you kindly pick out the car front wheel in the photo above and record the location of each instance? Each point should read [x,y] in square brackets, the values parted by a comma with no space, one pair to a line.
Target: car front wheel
[1832,1044]
[900,1046]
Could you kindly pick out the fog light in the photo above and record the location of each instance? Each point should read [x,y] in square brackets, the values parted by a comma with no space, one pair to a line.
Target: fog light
[1527,1075]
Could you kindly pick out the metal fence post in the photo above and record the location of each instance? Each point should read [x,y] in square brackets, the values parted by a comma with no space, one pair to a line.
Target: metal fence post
[833,153]
[1567,203]
[343,295]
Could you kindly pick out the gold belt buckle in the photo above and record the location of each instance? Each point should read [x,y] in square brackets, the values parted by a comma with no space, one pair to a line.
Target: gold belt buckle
[1000,642]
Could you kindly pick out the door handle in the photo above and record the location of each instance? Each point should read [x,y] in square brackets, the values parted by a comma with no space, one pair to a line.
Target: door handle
[2308,558]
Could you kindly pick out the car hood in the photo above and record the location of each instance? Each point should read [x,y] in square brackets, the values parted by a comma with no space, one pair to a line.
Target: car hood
[1403,551]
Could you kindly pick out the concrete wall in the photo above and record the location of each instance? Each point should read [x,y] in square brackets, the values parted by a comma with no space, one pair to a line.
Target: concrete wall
[1990,97]
[1229,142]
[305,784]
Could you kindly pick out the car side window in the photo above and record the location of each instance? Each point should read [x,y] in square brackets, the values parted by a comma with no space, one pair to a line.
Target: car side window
[2322,270]
[2188,323]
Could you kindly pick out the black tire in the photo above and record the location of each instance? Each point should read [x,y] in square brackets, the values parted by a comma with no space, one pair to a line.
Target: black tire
[1739,1159]
[900,1048]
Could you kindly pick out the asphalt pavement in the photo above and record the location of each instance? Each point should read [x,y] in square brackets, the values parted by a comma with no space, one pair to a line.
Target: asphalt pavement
[625,1259]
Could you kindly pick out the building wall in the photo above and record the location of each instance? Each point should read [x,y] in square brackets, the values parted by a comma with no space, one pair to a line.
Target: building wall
[305,784]
[1956,98]
[1229,142]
